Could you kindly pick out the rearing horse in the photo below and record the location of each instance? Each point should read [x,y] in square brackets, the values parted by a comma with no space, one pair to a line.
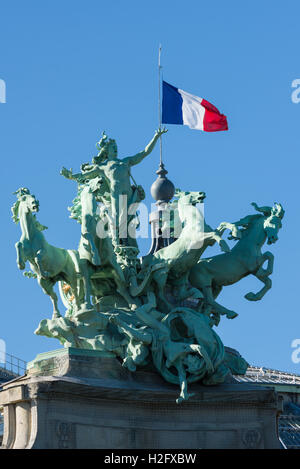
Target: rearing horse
[245,258]
[49,263]
[180,256]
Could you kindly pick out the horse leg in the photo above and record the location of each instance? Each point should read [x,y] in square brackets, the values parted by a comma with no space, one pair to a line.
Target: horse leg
[47,287]
[122,290]
[20,255]
[76,293]
[87,285]
[216,307]
[203,281]
[95,255]
[38,260]
[263,275]
[184,395]
[267,282]
[216,290]
[267,256]
[221,242]
[232,227]
[183,290]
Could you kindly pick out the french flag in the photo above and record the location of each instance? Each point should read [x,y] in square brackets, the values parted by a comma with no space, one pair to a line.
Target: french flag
[180,107]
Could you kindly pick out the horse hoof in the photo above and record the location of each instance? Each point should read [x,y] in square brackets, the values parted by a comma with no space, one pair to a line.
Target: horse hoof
[231,315]
[250,296]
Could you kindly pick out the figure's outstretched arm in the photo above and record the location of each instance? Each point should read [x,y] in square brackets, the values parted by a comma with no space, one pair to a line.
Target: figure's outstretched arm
[68,174]
[133,160]
[91,173]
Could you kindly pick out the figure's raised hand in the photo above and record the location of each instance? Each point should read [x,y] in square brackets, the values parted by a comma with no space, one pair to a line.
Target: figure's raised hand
[161,131]
[66,173]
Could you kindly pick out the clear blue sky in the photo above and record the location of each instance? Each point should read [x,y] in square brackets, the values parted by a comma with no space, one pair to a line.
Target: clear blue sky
[75,68]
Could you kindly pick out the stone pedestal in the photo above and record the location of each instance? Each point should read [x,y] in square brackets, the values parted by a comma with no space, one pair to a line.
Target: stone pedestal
[73,398]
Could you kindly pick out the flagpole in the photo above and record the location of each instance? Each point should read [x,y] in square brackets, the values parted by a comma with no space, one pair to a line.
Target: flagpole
[159,101]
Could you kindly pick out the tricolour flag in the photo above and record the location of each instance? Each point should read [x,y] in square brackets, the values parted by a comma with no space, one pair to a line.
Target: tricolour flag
[180,107]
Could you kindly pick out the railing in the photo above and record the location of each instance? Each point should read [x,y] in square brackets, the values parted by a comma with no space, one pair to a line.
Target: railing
[266,375]
[13,365]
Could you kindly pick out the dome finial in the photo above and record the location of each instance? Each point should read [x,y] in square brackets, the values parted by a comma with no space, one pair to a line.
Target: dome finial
[162,190]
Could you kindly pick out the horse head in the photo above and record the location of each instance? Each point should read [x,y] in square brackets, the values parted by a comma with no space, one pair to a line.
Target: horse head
[188,212]
[272,223]
[25,200]
[268,217]
[190,198]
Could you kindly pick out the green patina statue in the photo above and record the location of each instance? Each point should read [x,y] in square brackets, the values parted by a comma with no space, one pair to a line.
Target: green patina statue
[116,175]
[157,312]
[210,275]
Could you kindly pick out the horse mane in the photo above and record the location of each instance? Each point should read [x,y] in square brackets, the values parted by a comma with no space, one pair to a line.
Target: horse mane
[266,211]
[278,210]
[15,208]
[15,211]
[76,209]
[245,222]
